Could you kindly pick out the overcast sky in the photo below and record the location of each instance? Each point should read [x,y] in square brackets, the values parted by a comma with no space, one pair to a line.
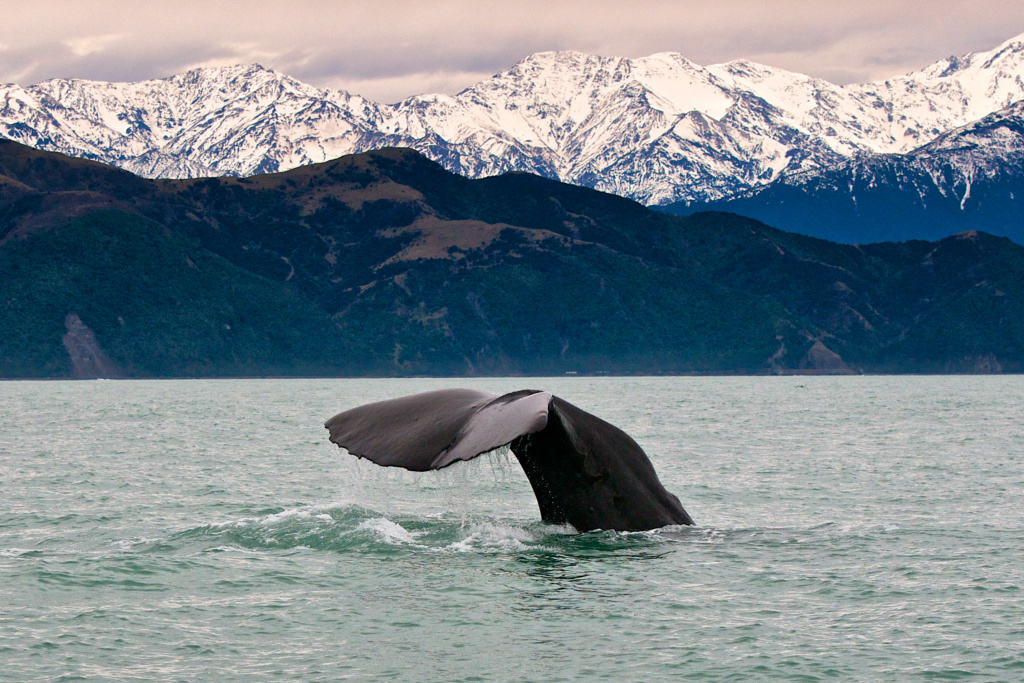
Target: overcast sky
[389,49]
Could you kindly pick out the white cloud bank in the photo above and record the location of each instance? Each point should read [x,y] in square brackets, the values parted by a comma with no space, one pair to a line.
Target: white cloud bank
[387,50]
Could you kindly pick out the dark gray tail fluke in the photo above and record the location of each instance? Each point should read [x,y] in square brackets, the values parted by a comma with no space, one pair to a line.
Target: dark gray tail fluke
[583,470]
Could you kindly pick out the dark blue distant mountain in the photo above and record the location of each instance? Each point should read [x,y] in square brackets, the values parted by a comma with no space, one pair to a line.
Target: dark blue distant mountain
[971,178]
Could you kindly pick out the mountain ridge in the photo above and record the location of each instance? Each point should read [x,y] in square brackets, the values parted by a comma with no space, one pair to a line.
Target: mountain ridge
[385,263]
[968,178]
[658,129]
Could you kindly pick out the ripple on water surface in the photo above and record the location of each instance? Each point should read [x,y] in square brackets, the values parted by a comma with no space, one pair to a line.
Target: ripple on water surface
[863,528]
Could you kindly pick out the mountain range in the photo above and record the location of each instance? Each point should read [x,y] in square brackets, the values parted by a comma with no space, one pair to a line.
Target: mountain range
[659,129]
[385,263]
[968,178]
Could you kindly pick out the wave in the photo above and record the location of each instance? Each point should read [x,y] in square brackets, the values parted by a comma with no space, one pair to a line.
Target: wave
[826,532]
[346,527]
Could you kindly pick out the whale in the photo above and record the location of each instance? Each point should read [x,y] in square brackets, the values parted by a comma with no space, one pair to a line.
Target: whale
[584,471]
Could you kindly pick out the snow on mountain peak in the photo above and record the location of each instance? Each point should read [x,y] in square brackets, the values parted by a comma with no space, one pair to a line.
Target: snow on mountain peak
[656,128]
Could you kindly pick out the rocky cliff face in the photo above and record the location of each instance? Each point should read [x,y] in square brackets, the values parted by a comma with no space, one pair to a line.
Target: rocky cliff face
[88,360]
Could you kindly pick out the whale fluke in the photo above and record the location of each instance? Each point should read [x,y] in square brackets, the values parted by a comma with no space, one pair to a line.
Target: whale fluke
[583,470]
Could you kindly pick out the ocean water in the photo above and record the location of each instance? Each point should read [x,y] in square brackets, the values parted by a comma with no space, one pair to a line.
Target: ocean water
[864,528]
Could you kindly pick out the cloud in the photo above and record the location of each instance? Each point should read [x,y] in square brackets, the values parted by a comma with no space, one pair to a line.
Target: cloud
[113,62]
[389,49]
[84,46]
[394,88]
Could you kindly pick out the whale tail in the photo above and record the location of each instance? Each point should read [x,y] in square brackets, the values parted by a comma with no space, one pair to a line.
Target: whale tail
[583,470]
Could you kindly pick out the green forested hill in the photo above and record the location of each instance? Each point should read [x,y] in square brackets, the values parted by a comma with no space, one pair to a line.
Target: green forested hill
[384,263]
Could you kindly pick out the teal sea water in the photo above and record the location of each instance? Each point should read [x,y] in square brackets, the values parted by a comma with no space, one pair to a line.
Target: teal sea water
[851,528]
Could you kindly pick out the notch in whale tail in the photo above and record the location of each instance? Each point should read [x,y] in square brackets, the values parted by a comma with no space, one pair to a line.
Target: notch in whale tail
[583,470]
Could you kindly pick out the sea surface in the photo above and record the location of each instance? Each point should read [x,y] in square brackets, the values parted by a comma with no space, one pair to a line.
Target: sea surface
[867,528]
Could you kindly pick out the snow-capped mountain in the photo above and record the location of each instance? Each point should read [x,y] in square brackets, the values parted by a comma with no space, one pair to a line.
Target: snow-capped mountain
[213,121]
[659,129]
[969,178]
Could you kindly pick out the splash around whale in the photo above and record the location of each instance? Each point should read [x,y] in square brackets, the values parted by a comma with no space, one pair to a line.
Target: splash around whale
[583,470]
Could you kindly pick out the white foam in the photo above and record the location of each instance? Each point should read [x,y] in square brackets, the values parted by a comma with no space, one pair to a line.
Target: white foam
[388,531]
[493,536]
[233,549]
[285,515]
[317,512]
[130,543]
